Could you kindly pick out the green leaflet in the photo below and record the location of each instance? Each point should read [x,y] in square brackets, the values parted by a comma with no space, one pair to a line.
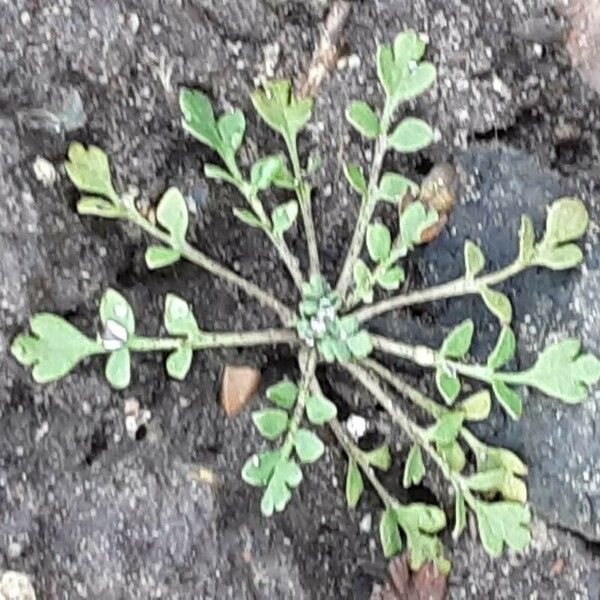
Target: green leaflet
[179,319]
[179,362]
[414,220]
[380,457]
[362,117]
[390,279]
[414,469]
[309,447]
[474,260]
[505,349]
[248,217]
[258,468]
[354,484]
[270,422]
[283,394]
[157,257]
[90,172]
[283,217]
[286,474]
[503,523]
[411,135]
[460,514]
[114,307]
[498,304]
[447,384]
[453,455]
[363,281]
[447,428]
[118,369]
[458,341]
[172,214]
[511,402]
[99,207]
[393,187]
[389,534]
[499,480]
[356,178]
[564,372]
[54,348]
[281,110]
[379,241]
[264,171]
[477,406]
[320,410]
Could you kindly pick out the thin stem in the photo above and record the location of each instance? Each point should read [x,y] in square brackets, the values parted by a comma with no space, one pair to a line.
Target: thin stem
[451,289]
[212,266]
[367,206]
[355,453]
[428,357]
[214,340]
[303,193]
[419,399]
[308,363]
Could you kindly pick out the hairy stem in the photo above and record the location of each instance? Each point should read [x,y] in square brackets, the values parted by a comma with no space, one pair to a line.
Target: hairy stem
[451,289]
[215,340]
[303,192]
[367,206]
[355,453]
[428,357]
[419,399]
[212,266]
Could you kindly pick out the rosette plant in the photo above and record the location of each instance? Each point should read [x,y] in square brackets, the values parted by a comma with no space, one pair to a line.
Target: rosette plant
[330,322]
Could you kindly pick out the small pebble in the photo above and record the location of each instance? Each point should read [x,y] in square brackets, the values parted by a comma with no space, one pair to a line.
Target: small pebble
[365,523]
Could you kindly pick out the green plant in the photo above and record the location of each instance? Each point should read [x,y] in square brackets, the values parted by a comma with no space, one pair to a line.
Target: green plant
[328,325]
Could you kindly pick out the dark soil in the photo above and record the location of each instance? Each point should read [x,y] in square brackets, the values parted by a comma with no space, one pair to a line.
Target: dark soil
[89,512]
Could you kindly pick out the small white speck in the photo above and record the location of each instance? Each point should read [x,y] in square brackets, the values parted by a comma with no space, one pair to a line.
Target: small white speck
[356,426]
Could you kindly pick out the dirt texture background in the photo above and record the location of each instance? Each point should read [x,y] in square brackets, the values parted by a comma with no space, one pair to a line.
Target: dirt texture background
[89,512]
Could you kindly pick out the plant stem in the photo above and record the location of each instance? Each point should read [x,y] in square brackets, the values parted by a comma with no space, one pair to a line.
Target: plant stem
[355,453]
[428,357]
[214,340]
[307,361]
[451,289]
[421,400]
[416,433]
[367,206]
[303,192]
[212,266]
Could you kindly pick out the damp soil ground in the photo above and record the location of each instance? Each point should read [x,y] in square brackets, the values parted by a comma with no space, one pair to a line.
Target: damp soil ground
[89,512]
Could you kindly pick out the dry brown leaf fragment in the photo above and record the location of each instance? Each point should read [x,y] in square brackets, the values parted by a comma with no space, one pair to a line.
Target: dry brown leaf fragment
[425,584]
[239,384]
